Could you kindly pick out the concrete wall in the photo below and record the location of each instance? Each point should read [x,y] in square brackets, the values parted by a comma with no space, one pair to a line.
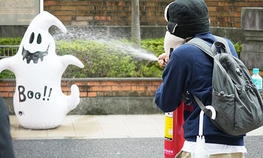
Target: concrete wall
[252,27]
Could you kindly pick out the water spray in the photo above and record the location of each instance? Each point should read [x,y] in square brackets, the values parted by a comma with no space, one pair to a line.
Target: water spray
[75,33]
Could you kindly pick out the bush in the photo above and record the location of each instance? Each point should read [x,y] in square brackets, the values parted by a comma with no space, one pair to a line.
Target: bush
[99,60]
[102,59]
[7,74]
[10,41]
[238,48]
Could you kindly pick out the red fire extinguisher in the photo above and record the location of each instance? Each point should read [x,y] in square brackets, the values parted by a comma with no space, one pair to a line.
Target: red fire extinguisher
[174,133]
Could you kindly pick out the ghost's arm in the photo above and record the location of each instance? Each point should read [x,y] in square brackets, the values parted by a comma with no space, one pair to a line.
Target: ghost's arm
[7,64]
[71,60]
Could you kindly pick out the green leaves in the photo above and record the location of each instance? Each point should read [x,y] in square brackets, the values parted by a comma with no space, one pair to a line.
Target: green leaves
[238,48]
[105,60]
[10,41]
[7,74]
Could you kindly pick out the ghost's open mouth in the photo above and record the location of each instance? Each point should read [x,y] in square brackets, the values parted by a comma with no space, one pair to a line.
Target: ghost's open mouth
[33,56]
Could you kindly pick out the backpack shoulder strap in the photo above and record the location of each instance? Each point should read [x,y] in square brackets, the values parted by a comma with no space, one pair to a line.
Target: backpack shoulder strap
[224,41]
[211,50]
[204,46]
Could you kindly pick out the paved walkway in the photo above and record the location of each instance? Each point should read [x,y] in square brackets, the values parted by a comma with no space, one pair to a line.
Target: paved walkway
[100,126]
[96,126]
[80,136]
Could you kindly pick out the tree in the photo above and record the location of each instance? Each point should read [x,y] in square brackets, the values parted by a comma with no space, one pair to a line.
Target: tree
[135,23]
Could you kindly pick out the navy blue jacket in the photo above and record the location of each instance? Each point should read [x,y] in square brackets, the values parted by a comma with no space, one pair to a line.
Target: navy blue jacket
[190,70]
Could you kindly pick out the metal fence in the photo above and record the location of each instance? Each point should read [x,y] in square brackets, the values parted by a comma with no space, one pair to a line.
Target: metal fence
[8,50]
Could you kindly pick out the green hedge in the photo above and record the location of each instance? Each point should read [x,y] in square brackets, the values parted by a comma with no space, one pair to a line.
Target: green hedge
[104,60]
[238,48]
[10,41]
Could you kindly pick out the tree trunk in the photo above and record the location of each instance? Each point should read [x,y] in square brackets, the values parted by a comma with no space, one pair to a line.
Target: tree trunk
[135,23]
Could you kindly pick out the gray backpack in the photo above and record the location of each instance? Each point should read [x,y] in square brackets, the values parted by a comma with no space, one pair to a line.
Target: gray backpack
[235,99]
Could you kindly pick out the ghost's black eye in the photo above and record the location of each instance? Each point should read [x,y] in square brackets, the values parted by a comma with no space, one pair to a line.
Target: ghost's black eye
[32,36]
[39,39]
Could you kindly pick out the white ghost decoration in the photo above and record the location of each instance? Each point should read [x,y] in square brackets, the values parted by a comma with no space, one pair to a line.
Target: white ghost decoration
[39,102]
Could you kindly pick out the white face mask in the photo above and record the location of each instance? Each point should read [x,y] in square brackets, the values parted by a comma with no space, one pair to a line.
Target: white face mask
[171,42]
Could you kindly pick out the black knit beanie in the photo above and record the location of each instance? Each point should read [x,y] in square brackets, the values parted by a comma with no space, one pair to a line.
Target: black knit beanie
[187,18]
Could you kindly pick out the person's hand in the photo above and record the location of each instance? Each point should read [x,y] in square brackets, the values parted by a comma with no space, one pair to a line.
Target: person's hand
[163,59]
